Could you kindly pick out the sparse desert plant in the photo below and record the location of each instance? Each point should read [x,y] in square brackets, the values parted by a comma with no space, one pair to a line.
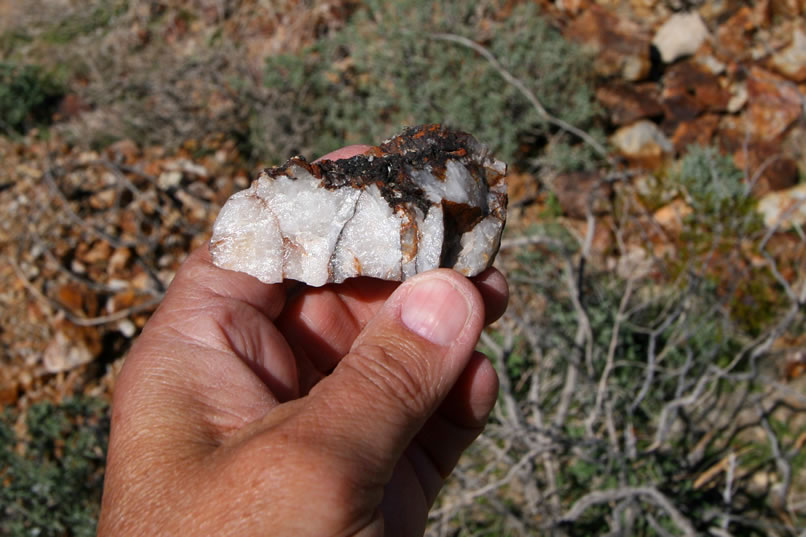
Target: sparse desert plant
[52,483]
[645,404]
[28,97]
[405,63]
[721,237]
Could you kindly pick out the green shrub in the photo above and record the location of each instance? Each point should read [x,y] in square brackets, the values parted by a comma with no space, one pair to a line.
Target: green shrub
[672,345]
[712,182]
[722,234]
[28,97]
[386,69]
[53,487]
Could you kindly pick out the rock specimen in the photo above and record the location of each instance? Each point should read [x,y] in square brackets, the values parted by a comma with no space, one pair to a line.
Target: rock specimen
[680,36]
[428,198]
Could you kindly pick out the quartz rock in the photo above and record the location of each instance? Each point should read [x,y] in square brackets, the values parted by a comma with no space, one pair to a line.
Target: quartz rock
[680,36]
[791,62]
[643,143]
[785,209]
[430,197]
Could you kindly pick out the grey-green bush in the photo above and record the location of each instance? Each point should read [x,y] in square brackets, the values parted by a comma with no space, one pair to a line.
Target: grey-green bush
[386,69]
[28,97]
[53,487]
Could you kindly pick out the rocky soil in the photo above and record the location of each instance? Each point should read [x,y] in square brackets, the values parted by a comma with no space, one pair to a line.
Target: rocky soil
[94,233]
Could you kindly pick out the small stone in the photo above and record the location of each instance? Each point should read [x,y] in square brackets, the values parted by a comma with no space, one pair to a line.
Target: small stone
[699,131]
[9,391]
[123,150]
[791,62]
[169,179]
[121,301]
[774,104]
[118,261]
[738,98]
[201,191]
[29,171]
[766,165]
[78,267]
[621,46]
[794,367]
[523,189]
[195,209]
[788,8]
[572,7]
[681,35]
[188,167]
[643,142]
[689,90]
[103,199]
[670,217]
[428,198]
[734,34]
[98,253]
[785,209]
[70,347]
[71,107]
[87,157]
[127,328]
[627,103]
[71,295]
[581,192]
[709,63]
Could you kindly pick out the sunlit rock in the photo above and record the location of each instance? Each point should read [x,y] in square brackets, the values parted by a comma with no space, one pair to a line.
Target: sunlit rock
[430,197]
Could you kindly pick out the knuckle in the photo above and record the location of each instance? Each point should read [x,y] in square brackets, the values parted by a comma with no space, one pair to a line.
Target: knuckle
[403,376]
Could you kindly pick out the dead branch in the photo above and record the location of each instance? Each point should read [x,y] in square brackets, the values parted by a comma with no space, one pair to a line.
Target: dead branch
[525,91]
[650,493]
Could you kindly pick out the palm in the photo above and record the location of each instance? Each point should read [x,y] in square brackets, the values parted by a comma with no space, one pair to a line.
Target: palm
[236,354]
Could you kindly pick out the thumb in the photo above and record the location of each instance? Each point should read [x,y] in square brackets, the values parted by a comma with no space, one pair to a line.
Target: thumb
[400,369]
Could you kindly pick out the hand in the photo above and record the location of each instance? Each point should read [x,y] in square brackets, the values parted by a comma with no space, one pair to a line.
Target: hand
[254,409]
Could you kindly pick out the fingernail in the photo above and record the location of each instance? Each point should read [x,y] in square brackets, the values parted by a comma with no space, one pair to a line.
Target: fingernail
[436,310]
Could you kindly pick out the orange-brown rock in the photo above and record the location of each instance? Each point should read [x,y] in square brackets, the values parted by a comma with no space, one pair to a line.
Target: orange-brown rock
[581,192]
[603,241]
[734,35]
[71,107]
[699,131]
[522,188]
[77,298]
[767,166]
[767,163]
[94,253]
[791,61]
[670,217]
[621,45]
[788,8]
[627,103]
[773,104]
[689,90]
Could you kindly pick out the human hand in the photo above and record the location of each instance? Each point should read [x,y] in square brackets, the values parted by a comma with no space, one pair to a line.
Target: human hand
[254,409]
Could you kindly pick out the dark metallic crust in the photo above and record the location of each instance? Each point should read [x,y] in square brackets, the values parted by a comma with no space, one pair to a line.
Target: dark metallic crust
[389,165]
